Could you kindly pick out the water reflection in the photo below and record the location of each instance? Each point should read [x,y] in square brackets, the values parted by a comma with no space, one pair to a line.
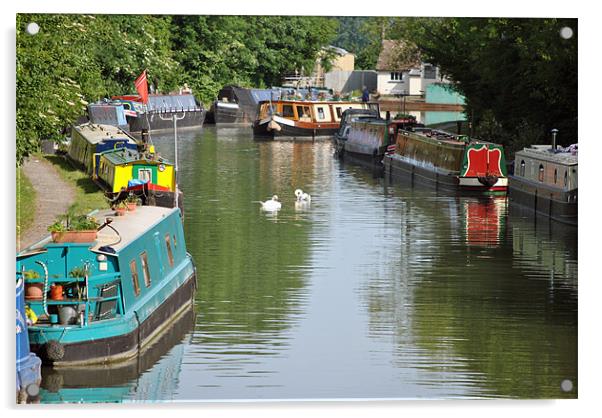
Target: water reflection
[376,290]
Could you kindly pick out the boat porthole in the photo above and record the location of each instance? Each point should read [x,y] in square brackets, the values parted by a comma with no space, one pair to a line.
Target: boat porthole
[161,167]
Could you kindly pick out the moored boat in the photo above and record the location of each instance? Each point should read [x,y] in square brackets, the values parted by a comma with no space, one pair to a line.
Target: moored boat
[104,301]
[146,174]
[157,113]
[450,161]
[367,138]
[545,180]
[238,105]
[302,119]
[90,139]
[28,364]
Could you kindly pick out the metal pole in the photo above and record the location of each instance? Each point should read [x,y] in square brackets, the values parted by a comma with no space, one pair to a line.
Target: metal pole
[175,119]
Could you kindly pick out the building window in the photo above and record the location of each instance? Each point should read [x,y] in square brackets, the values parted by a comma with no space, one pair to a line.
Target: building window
[145,271]
[169,253]
[430,72]
[541,172]
[134,272]
[396,76]
[522,168]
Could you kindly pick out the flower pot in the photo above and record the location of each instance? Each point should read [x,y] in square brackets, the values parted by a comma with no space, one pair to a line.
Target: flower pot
[34,290]
[74,236]
[120,211]
[56,292]
[131,207]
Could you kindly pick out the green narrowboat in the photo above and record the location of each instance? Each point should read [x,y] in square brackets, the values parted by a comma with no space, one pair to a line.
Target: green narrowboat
[104,301]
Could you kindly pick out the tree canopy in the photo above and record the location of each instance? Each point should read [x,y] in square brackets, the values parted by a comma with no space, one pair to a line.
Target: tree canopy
[76,59]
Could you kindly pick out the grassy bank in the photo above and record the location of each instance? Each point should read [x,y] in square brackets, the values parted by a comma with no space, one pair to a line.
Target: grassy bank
[26,197]
[88,195]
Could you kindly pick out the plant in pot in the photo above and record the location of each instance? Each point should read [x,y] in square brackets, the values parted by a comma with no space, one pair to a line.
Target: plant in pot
[120,208]
[132,201]
[33,290]
[72,227]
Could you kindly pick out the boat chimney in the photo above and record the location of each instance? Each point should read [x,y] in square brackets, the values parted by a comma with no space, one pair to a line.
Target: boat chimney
[554,132]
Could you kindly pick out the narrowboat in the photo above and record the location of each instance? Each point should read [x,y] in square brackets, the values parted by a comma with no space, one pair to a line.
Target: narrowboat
[156,113]
[366,139]
[91,139]
[238,105]
[153,178]
[29,375]
[302,119]
[446,160]
[545,180]
[104,301]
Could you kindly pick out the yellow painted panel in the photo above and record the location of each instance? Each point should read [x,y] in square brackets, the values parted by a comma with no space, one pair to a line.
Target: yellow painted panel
[166,178]
[123,174]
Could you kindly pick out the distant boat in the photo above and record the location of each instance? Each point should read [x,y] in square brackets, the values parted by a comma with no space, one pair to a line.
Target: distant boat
[148,117]
[366,137]
[301,119]
[545,180]
[112,297]
[238,105]
[446,160]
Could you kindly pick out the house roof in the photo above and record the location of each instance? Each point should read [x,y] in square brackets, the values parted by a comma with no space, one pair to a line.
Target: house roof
[397,56]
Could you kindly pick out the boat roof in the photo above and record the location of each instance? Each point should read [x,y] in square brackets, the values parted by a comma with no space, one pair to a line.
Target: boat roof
[128,227]
[125,156]
[317,102]
[95,133]
[544,152]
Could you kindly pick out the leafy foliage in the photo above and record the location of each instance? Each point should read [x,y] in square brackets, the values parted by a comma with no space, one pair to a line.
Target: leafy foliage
[75,59]
[519,76]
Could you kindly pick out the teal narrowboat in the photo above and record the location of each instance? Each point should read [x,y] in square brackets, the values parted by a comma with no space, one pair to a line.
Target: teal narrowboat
[104,301]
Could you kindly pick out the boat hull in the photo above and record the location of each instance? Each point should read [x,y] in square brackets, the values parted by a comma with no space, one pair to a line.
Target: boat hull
[125,346]
[400,169]
[292,131]
[193,118]
[552,202]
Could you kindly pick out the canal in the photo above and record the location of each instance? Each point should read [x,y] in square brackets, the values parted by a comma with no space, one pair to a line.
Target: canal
[376,290]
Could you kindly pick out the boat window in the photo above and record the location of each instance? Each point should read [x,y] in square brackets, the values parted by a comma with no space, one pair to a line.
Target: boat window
[169,253]
[135,277]
[304,113]
[287,111]
[126,106]
[321,114]
[555,175]
[145,174]
[522,168]
[566,178]
[339,112]
[145,271]
[175,243]
[540,172]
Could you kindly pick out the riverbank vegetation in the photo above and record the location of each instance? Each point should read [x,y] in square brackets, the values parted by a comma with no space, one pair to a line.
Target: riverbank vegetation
[26,198]
[88,196]
[75,59]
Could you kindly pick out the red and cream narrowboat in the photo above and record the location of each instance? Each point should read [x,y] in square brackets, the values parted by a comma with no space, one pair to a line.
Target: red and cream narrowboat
[300,119]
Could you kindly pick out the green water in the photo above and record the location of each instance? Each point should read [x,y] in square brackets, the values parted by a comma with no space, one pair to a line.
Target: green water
[374,291]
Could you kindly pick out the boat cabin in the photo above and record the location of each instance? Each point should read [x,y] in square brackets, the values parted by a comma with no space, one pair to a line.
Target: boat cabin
[541,164]
[309,111]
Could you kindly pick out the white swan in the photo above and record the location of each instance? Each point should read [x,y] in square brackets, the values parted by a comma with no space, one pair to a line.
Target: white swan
[302,197]
[271,205]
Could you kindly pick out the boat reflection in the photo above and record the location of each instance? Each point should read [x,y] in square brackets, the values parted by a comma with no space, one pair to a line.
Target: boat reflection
[153,375]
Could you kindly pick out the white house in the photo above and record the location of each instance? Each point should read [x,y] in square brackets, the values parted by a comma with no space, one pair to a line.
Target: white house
[409,76]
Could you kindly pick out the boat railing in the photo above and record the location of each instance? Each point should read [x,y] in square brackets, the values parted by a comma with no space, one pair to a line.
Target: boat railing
[80,295]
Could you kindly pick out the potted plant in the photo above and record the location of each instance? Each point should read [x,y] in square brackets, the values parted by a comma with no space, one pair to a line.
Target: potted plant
[120,208]
[132,201]
[33,290]
[71,227]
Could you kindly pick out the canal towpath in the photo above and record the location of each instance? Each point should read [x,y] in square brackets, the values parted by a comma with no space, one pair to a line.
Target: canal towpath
[53,197]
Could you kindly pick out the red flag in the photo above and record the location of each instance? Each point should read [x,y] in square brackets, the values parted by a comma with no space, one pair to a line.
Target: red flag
[142,87]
